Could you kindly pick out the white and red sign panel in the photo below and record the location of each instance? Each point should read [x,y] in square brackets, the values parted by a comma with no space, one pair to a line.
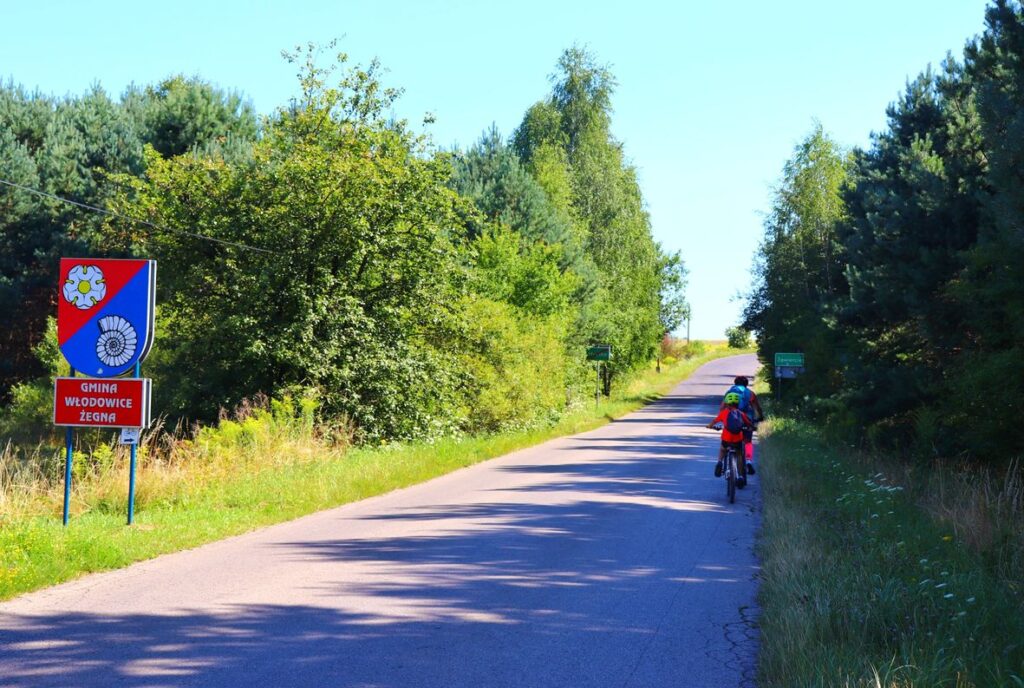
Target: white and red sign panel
[97,402]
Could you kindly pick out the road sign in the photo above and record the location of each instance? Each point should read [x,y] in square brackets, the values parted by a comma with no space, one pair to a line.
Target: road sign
[130,435]
[95,402]
[789,360]
[105,312]
[599,352]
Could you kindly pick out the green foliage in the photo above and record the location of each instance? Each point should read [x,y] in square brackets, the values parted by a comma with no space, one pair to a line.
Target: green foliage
[515,366]
[420,293]
[903,283]
[800,266]
[541,130]
[180,114]
[28,417]
[990,291]
[677,349]
[580,252]
[60,147]
[860,578]
[525,274]
[351,288]
[582,95]
[258,425]
[69,147]
[914,212]
[737,337]
[567,139]
[29,414]
[674,308]
[538,265]
[18,212]
[492,177]
[693,349]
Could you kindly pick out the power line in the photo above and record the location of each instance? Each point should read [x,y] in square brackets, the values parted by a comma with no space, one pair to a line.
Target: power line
[119,216]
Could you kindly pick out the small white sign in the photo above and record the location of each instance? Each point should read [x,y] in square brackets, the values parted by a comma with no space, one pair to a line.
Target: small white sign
[129,435]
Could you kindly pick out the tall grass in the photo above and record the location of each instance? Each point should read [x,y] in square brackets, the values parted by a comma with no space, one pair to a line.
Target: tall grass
[266,463]
[984,508]
[882,574]
[259,435]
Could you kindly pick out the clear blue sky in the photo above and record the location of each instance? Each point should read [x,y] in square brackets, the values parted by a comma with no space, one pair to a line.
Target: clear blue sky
[712,96]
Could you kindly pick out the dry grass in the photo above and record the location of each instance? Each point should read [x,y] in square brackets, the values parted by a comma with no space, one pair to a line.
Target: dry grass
[171,465]
[985,509]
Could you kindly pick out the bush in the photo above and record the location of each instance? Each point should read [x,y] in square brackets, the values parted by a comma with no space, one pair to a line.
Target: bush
[693,349]
[517,368]
[737,337]
[28,417]
[677,348]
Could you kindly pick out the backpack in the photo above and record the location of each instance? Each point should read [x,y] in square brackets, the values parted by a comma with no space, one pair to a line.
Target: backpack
[744,393]
[734,420]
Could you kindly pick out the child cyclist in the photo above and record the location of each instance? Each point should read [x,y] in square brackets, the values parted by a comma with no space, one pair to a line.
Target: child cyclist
[748,405]
[734,422]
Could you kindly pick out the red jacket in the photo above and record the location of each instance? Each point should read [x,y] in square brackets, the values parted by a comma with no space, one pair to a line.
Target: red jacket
[726,435]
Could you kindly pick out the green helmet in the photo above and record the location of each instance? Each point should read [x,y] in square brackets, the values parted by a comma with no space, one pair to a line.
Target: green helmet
[732,398]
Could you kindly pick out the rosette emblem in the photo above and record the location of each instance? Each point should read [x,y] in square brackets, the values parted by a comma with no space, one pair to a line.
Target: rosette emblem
[85,286]
[117,341]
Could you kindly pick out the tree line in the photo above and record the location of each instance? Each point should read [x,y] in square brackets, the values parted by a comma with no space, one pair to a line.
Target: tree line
[897,268]
[330,247]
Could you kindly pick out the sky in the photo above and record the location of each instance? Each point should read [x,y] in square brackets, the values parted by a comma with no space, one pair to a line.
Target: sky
[712,97]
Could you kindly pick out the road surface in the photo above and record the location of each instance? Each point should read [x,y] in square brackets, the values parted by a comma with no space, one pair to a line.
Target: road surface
[609,558]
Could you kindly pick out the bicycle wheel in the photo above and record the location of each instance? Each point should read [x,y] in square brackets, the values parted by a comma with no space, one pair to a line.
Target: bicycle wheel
[730,477]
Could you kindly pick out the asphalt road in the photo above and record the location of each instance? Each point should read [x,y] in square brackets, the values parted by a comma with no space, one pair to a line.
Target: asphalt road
[610,558]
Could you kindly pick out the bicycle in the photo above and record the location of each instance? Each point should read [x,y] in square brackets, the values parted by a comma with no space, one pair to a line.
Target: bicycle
[734,468]
[735,471]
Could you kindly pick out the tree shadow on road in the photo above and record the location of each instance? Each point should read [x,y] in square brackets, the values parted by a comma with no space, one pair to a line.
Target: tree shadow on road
[561,579]
[496,594]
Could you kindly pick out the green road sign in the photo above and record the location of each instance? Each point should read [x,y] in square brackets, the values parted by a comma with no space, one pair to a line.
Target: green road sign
[599,352]
[789,360]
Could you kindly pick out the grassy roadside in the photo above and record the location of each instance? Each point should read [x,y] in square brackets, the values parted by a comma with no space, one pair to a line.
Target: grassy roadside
[273,476]
[867,583]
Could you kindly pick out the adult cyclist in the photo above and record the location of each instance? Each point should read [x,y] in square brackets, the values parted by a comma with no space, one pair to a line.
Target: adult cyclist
[752,408]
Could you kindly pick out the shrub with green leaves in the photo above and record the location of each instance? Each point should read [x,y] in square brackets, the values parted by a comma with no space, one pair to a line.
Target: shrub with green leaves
[516,367]
[737,337]
[347,275]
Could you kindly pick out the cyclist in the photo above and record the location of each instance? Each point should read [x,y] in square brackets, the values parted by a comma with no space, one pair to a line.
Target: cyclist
[748,405]
[734,422]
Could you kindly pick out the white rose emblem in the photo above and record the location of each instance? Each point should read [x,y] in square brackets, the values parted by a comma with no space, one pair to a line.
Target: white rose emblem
[85,286]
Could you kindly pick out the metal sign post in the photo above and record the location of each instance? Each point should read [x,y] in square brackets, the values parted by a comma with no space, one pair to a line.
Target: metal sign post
[598,353]
[106,310]
[131,469]
[787,367]
[68,455]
